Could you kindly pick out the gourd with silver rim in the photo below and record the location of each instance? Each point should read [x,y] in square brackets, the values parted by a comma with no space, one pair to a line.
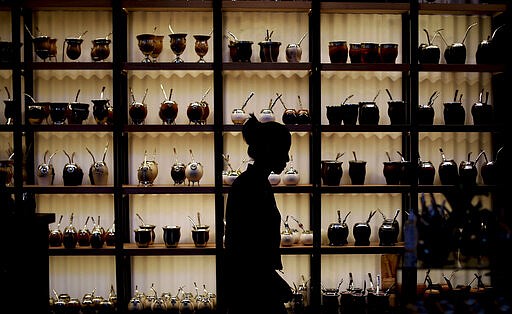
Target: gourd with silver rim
[98,171]
[194,170]
[45,171]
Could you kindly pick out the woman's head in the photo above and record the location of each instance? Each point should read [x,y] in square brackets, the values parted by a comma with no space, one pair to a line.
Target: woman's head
[269,143]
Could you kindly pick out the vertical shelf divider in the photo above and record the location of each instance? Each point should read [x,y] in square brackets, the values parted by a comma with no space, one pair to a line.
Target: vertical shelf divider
[218,120]
[409,274]
[120,144]
[315,152]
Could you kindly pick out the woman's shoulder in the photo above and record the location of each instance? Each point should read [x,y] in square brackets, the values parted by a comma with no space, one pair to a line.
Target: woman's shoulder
[247,178]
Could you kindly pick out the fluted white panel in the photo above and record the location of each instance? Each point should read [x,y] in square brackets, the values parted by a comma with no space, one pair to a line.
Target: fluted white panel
[64,86]
[5,31]
[6,144]
[456,146]
[201,145]
[187,87]
[162,210]
[357,28]
[454,27]
[81,206]
[469,86]
[294,267]
[337,267]
[78,275]
[168,273]
[190,23]
[371,147]
[98,24]
[6,80]
[359,208]
[294,206]
[457,277]
[74,142]
[265,85]
[236,148]
[254,26]
[361,86]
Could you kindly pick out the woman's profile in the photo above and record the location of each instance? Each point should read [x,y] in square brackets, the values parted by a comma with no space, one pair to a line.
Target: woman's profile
[253,220]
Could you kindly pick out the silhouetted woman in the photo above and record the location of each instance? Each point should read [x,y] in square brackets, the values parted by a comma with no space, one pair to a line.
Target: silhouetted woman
[253,221]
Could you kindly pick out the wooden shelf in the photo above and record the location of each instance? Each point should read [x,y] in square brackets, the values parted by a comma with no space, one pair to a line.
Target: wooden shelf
[64,5]
[493,68]
[37,65]
[159,249]
[267,6]
[365,128]
[266,66]
[165,5]
[461,9]
[71,128]
[373,248]
[166,66]
[459,128]
[367,188]
[169,189]
[364,7]
[281,188]
[292,128]
[169,128]
[369,67]
[62,189]
[81,251]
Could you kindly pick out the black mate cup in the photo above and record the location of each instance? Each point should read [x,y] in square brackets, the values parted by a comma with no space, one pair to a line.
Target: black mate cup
[392,171]
[368,113]
[396,111]
[143,237]
[361,232]
[426,172]
[100,110]
[448,172]
[350,113]
[79,113]
[151,228]
[377,302]
[388,52]
[97,240]
[334,114]
[388,232]
[454,113]
[331,172]
[354,52]
[337,233]
[172,235]
[200,236]
[425,115]
[243,51]
[59,112]
[482,113]
[330,301]
[370,53]
[357,171]
[338,51]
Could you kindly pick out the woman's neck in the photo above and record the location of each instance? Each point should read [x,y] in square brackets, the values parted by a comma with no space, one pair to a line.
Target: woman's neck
[261,168]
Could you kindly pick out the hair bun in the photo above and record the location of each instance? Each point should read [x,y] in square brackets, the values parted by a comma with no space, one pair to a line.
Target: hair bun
[250,129]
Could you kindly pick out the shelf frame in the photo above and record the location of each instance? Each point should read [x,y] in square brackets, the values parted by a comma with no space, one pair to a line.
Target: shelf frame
[123,251]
